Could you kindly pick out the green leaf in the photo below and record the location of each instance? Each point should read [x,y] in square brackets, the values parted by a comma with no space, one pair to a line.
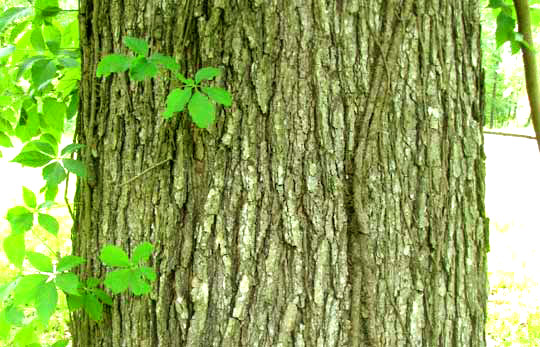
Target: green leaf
[183,78]
[119,280]
[75,166]
[148,273]
[49,223]
[46,300]
[114,256]
[93,307]
[496,4]
[46,204]
[26,335]
[53,173]
[43,72]
[38,145]
[68,262]
[7,289]
[92,282]
[112,63]
[36,38]
[535,16]
[219,95]
[166,61]
[176,101]
[20,219]
[5,51]
[29,122]
[13,315]
[515,46]
[32,159]
[5,141]
[51,192]
[142,252]
[50,11]
[27,288]
[52,37]
[505,28]
[28,63]
[206,73]
[73,105]
[202,111]
[51,140]
[139,286]
[5,327]
[15,249]
[60,343]
[142,68]
[74,302]
[136,45]
[40,261]
[68,282]
[103,297]
[72,148]
[18,29]
[12,14]
[55,113]
[45,147]
[29,197]
[68,62]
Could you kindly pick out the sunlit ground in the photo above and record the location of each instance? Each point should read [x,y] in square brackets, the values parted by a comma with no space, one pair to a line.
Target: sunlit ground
[512,203]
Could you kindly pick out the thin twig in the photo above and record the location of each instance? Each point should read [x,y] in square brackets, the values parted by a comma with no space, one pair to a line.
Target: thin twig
[509,134]
[44,242]
[145,172]
[67,200]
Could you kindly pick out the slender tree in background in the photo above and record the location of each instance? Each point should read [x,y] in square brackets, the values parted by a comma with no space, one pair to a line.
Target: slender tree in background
[339,202]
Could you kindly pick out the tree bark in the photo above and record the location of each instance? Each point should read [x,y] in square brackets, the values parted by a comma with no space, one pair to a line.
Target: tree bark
[339,202]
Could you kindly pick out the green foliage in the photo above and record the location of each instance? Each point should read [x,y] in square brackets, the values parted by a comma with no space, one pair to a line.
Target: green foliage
[141,67]
[501,87]
[130,275]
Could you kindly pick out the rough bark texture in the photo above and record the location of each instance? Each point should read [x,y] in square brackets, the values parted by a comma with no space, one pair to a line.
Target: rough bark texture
[338,203]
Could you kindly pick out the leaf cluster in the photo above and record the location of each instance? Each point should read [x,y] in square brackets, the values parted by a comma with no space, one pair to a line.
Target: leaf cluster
[506,23]
[40,288]
[197,97]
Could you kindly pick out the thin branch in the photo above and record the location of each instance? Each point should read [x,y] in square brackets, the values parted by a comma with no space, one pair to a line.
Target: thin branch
[145,171]
[44,242]
[509,134]
[66,197]
[529,63]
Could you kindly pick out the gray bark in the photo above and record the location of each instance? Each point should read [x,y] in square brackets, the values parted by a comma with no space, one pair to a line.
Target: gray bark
[339,202]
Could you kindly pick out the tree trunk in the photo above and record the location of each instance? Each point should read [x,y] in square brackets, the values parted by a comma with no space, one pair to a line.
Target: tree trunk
[339,202]
[493,99]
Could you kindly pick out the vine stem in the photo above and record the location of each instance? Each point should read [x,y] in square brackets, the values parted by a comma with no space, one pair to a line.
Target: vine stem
[145,171]
[529,64]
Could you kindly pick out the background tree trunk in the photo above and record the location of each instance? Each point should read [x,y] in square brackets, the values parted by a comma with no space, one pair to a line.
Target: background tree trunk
[340,202]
